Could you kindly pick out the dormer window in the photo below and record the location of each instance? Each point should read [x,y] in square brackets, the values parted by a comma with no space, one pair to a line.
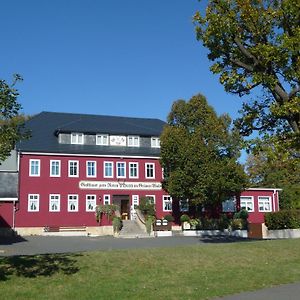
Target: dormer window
[133,141]
[155,142]
[77,138]
[102,139]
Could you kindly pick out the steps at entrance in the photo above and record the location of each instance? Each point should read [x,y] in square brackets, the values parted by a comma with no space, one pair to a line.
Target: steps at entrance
[131,229]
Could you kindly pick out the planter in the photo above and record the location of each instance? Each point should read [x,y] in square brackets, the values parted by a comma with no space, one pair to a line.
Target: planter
[283,234]
[186,226]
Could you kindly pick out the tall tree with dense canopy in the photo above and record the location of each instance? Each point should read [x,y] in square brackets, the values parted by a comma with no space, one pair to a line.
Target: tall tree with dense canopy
[10,120]
[199,154]
[255,47]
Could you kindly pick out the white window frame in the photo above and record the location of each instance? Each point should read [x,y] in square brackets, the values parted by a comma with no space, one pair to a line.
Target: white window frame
[75,200]
[136,164]
[135,201]
[59,163]
[77,138]
[117,169]
[100,139]
[36,168]
[54,198]
[264,200]
[69,168]
[165,199]
[104,169]
[94,163]
[185,208]
[248,200]
[106,199]
[153,197]
[155,142]
[133,141]
[33,198]
[153,170]
[90,199]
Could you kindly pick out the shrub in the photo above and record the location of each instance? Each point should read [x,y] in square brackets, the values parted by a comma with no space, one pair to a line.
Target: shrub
[283,219]
[117,224]
[242,214]
[169,218]
[147,207]
[149,222]
[184,218]
[238,224]
[194,223]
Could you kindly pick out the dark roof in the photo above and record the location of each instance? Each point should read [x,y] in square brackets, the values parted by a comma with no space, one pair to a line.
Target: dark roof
[45,126]
[9,185]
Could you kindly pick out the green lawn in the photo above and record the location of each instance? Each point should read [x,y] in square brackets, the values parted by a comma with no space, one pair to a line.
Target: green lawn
[191,272]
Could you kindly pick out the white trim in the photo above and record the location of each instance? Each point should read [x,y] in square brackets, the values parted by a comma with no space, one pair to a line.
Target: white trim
[263,189]
[169,200]
[77,202]
[108,198]
[152,196]
[87,155]
[267,199]
[133,138]
[94,201]
[33,199]
[157,139]
[9,199]
[102,135]
[58,206]
[251,199]
[77,134]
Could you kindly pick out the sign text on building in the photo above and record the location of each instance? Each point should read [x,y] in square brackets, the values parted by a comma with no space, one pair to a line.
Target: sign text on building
[116,185]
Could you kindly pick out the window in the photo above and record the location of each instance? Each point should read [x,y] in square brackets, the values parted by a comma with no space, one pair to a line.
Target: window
[77,138]
[151,199]
[34,169]
[106,199]
[133,141]
[135,201]
[54,168]
[133,170]
[108,169]
[33,202]
[73,168]
[184,205]
[102,139]
[264,204]
[155,142]
[247,203]
[90,202]
[72,203]
[167,203]
[54,202]
[121,169]
[91,169]
[229,205]
[149,170]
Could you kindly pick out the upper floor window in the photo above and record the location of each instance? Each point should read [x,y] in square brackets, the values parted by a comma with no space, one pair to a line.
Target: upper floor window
[73,168]
[167,203]
[33,202]
[90,204]
[54,168]
[247,203]
[77,138]
[133,141]
[149,170]
[102,139]
[91,169]
[121,169]
[133,170]
[108,169]
[34,168]
[264,204]
[54,202]
[155,142]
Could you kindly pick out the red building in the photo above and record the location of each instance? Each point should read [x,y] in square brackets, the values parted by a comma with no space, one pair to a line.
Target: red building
[73,162]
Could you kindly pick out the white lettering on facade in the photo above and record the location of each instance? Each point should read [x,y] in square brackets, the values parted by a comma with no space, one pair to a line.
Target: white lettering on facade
[115,185]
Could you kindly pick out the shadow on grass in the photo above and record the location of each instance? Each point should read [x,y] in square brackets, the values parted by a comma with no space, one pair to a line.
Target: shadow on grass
[38,265]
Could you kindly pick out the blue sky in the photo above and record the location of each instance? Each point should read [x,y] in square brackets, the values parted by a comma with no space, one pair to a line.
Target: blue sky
[114,57]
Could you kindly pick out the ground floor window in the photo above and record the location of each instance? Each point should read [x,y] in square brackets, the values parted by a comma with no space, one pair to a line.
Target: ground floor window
[106,199]
[72,203]
[167,203]
[264,204]
[135,200]
[151,198]
[33,202]
[229,205]
[184,205]
[54,202]
[247,203]
[90,204]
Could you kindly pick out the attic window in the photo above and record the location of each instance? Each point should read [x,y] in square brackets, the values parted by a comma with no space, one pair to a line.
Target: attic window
[155,142]
[133,141]
[77,138]
[102,139]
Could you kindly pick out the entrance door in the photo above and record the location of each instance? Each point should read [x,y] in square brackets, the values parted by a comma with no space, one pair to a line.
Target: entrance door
[122,201]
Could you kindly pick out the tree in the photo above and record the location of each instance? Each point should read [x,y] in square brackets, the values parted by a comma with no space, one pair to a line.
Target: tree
[199,154]
[10,120]
[267,168]
[255,46]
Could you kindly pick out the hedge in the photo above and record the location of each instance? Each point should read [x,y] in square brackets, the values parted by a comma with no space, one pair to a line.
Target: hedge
[284,219]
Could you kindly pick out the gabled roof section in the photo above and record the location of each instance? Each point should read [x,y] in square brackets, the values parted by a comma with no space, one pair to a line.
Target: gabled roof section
[46,126]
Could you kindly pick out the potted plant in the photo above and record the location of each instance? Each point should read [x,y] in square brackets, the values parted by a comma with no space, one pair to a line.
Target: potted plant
[194,223]
[185,219]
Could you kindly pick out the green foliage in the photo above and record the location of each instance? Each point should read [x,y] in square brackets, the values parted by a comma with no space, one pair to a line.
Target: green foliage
[169,218]
[283,219]
[184,218]
[255,47]
[238,224]
[10,123]
[242,214]
[146,206]
[149,222]
[117,224]
[199,154]
[106,209]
